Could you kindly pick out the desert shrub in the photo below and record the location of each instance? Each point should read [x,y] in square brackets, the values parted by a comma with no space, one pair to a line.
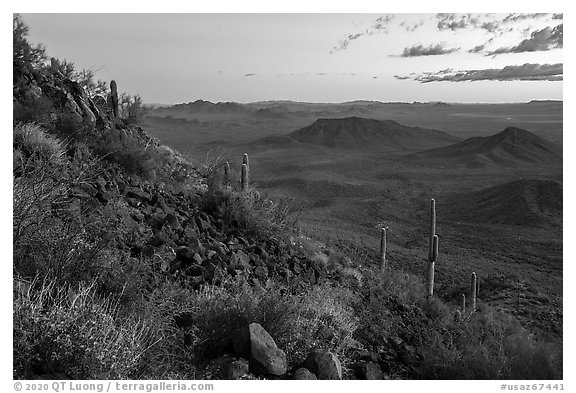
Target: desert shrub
[388,306]
[32,140]
[124,149]
[487,346]
[32,108]
[72,333]
[319,317]
[252,211]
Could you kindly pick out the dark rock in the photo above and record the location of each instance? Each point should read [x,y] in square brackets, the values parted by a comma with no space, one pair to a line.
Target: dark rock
[261,272]
[240,260]
[324,364]
[368,370]
[235,369]
[171,221]
[303,373]
[254,343]
[138,195]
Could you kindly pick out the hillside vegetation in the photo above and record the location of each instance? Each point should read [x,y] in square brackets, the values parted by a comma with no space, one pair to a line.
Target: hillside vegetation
[132,261]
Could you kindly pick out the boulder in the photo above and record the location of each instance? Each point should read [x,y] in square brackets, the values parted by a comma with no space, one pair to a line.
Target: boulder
[324,364]
[255,344]
[303,373]
[368,370]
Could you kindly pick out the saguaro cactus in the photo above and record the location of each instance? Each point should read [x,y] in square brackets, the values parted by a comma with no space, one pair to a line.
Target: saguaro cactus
[383,250]
[457,316]
[463,304]
[473,292]
[114,98]
[245,160]
[433,248]
[244,178]
[227,174]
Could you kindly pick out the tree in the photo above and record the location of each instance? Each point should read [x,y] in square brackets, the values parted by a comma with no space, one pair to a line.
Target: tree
[131,107]
[25,56]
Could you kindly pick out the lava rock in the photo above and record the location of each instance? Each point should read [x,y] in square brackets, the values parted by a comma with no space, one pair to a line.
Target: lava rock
[254,343]
[324,364]
[304,374]
[368,370]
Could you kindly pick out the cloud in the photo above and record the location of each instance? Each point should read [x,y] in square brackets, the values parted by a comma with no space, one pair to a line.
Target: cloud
[249,74]
[511,18]
[487,22]
[431,50]
[455,22]
[481,47]
[380,25]
[558,16]
[525,72]
[411,27]
[540,40]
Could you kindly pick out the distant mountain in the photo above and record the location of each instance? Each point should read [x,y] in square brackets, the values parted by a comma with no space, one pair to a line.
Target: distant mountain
[271,113]
[206,107]
[525,202]
[355,133]
[511,147]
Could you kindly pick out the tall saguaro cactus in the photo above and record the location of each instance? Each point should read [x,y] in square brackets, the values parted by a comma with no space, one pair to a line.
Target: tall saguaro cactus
[227,174]
[383,250]
[463,304]
[114,98]
[244,178]
[433,248]
[245,160]
[473,288]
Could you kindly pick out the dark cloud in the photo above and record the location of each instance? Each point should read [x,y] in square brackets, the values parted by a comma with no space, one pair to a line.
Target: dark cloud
[249,74]
[511,18]
[526,72]
[456,22]
[380,26]
[540,40]
[431,50]
[558,16]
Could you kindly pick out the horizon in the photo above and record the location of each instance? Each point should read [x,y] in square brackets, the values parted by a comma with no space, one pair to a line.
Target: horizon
[360,100]
[330,58]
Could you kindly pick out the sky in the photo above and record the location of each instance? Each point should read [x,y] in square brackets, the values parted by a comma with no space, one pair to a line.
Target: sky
[175,58]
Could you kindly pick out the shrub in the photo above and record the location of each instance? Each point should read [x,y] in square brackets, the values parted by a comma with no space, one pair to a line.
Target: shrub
[252,211]
[488,346]
[32,141]
[319,317]
[124,149]
[72,333]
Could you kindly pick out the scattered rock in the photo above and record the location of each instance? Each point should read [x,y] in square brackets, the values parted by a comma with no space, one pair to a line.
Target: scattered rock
[254,343]
[324,364]
[304,373]
[368,370]
[235,369]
